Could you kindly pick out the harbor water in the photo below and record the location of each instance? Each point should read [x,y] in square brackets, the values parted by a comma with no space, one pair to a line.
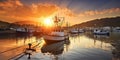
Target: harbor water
[83,46]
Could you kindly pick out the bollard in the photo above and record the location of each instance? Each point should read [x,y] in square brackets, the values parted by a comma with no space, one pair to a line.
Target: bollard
[29,56]
[30,45]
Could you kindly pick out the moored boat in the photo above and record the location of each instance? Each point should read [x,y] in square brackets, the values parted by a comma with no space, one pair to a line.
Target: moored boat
[74,31]
[81,30]
[24,30]
[117,29]
[101,32]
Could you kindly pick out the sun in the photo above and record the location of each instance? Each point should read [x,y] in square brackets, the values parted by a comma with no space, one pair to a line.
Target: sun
[48,22]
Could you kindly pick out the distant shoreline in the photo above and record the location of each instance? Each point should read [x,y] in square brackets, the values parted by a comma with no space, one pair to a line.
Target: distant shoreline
[7,32]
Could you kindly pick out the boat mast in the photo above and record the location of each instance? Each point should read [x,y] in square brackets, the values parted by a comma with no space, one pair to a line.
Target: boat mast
[58,21]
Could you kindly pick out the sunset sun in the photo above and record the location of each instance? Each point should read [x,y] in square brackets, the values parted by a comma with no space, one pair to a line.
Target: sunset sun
[48,22]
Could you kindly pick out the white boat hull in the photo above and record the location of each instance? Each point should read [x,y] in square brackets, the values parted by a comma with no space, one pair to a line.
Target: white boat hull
[54,38]
[81,31]
[74,31]
[99,32]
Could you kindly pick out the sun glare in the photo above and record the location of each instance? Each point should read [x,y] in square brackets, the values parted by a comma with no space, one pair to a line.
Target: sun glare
[48,22]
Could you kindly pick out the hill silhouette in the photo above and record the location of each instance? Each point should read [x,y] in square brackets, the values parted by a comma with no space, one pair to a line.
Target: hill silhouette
[27,22]
[112,22]
[4,24]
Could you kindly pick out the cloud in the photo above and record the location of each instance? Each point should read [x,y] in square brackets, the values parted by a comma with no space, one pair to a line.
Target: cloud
[40,10]
[7,7]
[100,12]
[68,12]
[14,9]
[10,3]
[62,12]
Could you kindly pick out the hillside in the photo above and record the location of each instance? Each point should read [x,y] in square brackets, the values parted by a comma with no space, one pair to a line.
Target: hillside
[16,24]
[113,22]
[27,22]
[3,24]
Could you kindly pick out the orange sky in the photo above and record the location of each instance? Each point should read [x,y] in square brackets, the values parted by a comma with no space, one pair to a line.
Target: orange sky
[15,10]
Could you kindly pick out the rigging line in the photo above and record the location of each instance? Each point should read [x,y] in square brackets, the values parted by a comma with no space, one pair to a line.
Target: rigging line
[22,54]
[14,48]
[60,2]
[11,49]
[36,45]
[68,6]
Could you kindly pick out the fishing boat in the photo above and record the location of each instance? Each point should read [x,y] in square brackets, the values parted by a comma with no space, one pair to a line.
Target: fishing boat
[100,32]
[57,33]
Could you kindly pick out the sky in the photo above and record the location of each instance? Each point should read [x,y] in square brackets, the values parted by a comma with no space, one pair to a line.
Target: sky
[74,11]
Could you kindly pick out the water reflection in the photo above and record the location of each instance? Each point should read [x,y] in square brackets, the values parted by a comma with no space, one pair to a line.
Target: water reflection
[13,43]
[53,49]
[113,40]
[79,46]
[116,50]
